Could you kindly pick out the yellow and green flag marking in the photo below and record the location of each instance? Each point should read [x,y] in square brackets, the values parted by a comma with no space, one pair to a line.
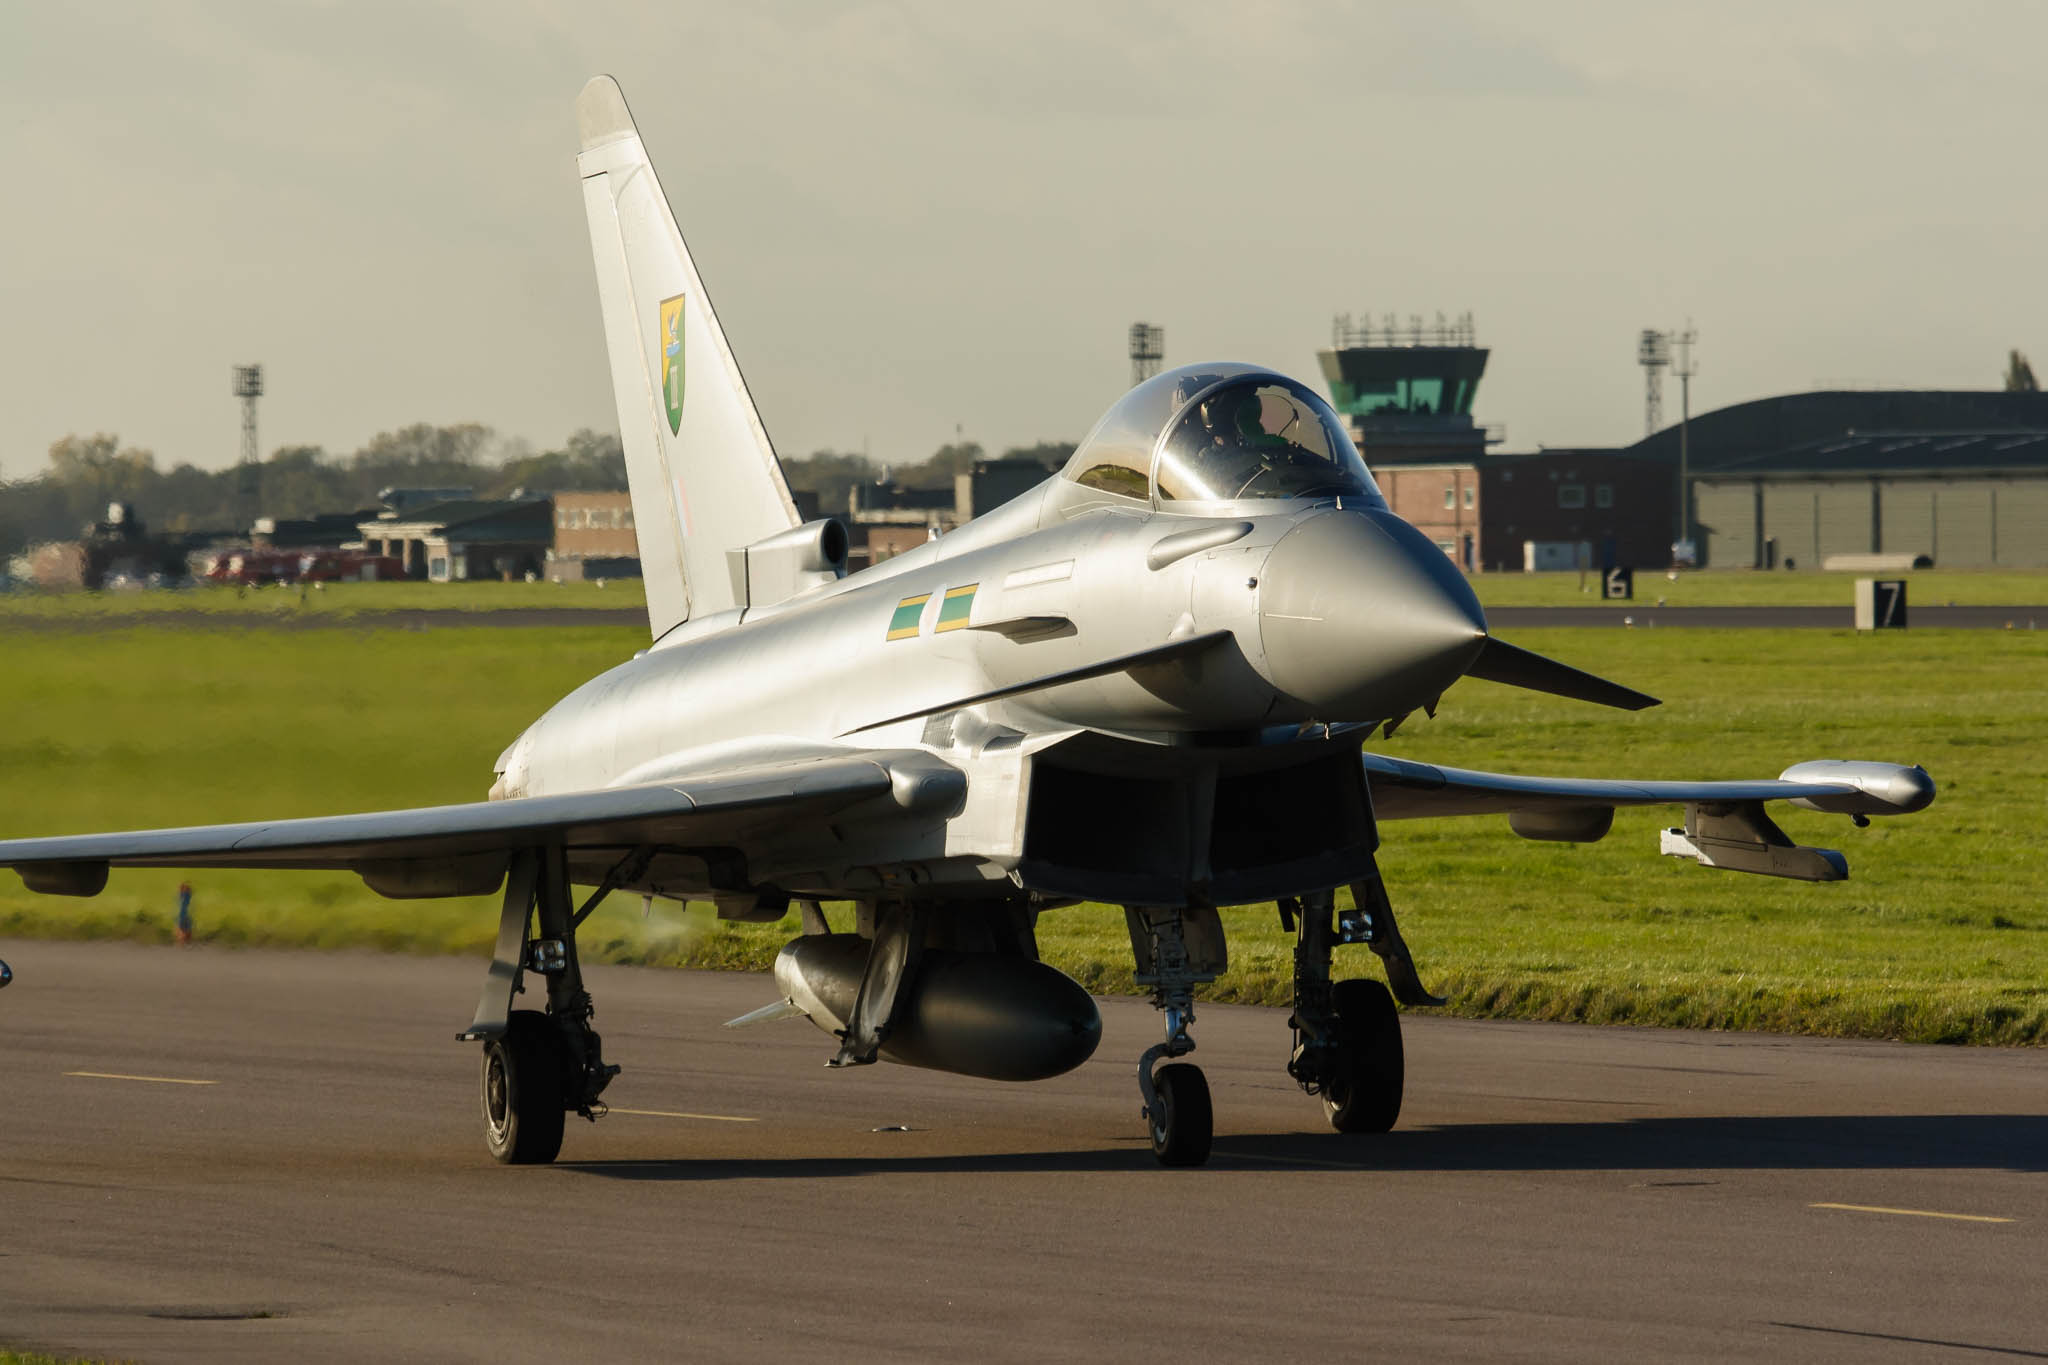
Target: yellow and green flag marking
[903,624]
[953,612]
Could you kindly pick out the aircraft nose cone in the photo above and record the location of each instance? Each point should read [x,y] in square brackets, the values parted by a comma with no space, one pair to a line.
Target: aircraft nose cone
[1362,618]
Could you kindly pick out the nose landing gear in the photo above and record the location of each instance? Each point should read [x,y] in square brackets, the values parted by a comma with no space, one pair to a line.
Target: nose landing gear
[1176,949]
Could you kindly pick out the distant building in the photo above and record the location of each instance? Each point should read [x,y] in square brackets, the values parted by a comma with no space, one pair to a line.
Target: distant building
[991,483]
[117,551]
[1956,477]
[1574,509]
[411,499]
[594,538]
[452,541]
[1405,393]
[886,519]
[326,530]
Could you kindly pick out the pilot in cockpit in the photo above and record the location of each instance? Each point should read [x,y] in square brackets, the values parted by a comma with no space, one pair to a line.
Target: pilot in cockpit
[1227,447]
[1235,419]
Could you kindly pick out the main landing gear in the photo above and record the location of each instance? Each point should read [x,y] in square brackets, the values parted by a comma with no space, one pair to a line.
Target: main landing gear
[538,1066]
[1176,949]
[1347,1034]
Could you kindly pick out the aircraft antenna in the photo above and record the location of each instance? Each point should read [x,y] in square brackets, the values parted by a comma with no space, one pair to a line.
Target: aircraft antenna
[1148,349]
[1653,353]
[248,388]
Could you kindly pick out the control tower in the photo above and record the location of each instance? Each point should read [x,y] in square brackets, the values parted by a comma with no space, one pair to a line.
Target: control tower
[1405,389]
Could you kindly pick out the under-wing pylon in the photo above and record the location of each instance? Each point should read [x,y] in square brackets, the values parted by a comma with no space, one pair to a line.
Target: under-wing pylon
[1146,683]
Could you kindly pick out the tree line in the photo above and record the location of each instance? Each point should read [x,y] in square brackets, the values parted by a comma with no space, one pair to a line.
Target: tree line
[86,473]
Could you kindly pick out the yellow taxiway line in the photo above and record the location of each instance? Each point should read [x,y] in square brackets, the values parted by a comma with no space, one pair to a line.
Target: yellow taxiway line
[117,1076]
[671,1114]
[1913,1213]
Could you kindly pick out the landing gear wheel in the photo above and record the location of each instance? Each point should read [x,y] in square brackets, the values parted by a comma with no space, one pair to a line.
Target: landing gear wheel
[1182,1122]
[526,1070]
[1363,1092]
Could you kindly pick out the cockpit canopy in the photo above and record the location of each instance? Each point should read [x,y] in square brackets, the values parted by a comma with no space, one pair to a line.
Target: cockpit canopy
[1221,433]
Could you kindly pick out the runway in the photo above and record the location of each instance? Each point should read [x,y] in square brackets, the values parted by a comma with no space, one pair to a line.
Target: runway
[219,1155]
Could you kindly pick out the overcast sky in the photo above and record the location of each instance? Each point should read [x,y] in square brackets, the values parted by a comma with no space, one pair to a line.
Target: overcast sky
[916,216]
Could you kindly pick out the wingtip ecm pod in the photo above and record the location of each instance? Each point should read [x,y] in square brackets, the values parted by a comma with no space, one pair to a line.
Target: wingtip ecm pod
[703,475]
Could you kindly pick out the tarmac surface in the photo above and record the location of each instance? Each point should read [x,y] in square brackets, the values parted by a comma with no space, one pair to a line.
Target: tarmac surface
[219,1155]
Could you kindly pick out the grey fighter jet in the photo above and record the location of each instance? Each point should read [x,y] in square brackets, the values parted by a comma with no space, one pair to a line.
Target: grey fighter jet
[1146,682]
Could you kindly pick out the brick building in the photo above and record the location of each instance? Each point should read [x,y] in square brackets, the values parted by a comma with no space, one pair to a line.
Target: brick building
[594,538]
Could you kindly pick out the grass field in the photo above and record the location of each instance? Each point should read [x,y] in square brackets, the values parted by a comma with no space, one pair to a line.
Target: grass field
[1942,934]
[337,601]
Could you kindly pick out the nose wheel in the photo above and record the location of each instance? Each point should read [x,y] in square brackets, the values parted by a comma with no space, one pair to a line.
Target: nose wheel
[1177,1111]
[1180,1116]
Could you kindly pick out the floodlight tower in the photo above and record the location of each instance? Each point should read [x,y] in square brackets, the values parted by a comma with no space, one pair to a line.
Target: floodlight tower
[1685,368]
[248,388]
[1148,349]
[1653,353]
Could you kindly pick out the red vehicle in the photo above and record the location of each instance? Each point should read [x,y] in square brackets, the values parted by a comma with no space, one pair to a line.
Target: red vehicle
[260,566]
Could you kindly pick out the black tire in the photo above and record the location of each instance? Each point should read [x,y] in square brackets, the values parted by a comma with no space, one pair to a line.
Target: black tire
[524,1086]
[1363,1094]
[1184,1123]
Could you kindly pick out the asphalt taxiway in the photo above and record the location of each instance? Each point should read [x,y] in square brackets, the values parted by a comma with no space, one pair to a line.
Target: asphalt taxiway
[219,1155]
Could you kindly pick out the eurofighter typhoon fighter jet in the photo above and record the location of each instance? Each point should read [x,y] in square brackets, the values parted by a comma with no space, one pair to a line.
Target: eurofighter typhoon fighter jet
[1146,682]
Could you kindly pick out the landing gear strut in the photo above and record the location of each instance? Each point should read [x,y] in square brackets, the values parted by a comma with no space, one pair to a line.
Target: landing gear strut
[1347,1034]
[1177,1110]
[538,1066]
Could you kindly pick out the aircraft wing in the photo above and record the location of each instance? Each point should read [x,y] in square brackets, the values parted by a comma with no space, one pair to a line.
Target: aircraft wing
[1403,789]
[433,847]
[1725,824]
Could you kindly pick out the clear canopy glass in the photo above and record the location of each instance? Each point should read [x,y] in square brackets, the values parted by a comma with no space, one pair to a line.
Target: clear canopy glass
[1220,433]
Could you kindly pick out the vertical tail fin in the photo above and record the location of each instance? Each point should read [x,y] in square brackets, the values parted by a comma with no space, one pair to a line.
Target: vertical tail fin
[704,476]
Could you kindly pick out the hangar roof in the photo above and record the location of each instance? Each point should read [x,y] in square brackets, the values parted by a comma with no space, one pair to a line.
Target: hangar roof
[1900,452]
[1840,430]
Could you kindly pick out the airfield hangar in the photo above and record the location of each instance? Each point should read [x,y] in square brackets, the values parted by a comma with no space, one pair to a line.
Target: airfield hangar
[1956,477]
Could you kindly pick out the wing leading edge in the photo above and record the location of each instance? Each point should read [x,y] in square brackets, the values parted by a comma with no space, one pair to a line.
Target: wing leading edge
[467,845]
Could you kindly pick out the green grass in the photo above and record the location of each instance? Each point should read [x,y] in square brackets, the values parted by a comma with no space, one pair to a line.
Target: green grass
[335,601]
[1942,934]
[1751,587]
[38,1358]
